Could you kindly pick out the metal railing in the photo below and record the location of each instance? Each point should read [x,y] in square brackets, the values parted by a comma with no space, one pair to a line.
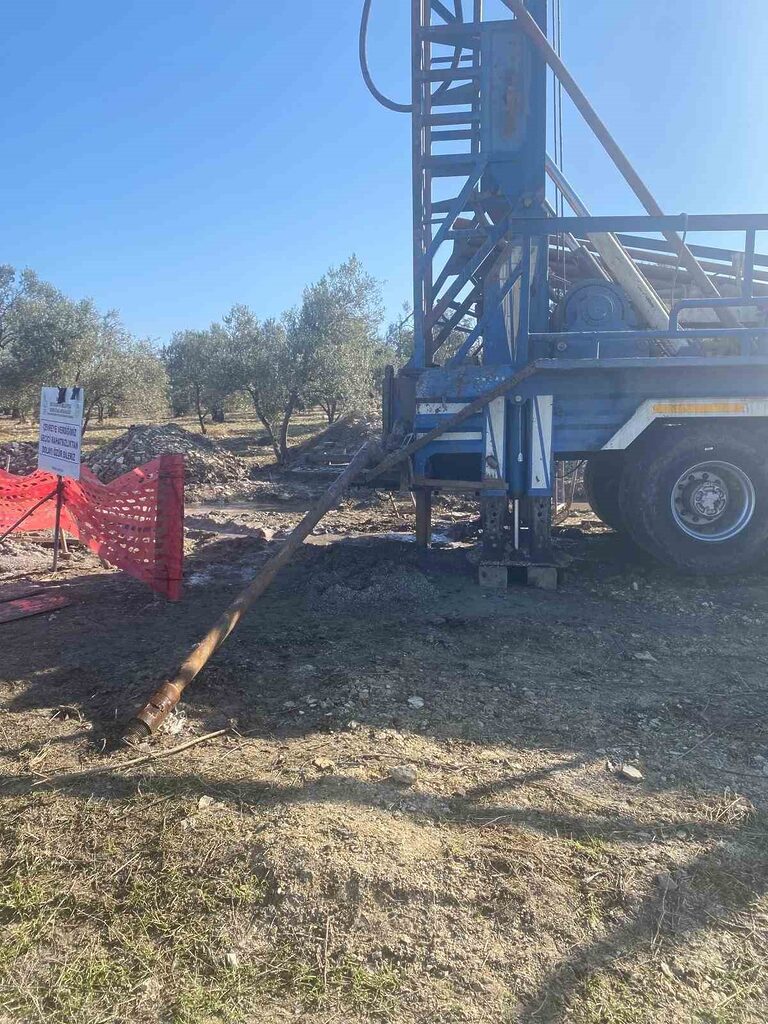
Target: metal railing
[530,229]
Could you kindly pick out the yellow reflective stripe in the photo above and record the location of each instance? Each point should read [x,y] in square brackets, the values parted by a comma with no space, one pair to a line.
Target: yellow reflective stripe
[699,408]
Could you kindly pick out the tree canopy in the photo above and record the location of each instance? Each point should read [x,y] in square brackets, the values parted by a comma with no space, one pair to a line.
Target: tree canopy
[327,351]
[47,338]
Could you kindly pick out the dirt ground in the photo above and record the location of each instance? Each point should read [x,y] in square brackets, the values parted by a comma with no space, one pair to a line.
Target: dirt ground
[414,810]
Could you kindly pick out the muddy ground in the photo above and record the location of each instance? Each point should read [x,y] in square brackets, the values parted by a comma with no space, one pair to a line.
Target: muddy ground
[416,811]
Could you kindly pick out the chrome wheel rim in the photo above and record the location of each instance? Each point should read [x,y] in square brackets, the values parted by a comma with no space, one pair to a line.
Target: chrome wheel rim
[713,501]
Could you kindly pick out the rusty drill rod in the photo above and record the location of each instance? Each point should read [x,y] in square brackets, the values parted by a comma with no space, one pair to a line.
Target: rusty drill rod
[163,701]
[615,152]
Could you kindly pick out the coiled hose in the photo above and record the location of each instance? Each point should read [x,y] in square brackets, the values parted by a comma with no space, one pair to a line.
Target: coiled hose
[385,101]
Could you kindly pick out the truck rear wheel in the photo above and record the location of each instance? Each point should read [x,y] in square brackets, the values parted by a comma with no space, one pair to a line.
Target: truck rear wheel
[602,476]
[697,497]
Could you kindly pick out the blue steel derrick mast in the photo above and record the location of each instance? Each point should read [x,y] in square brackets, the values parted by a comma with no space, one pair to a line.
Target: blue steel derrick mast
[479,139]
[644,356]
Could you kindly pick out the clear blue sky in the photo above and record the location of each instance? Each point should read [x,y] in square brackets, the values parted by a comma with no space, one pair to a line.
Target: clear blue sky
[172,157]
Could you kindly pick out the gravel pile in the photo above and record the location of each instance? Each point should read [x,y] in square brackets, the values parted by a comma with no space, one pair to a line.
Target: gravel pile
[205,461]
[22,556]
[19,457]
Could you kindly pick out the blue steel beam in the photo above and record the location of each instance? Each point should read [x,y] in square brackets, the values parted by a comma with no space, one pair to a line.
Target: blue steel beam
[586,225]
[539,39]
[493,238]
[679,335]
[454,324]
[475,333]
[749,263]
[455,211]
[442,10]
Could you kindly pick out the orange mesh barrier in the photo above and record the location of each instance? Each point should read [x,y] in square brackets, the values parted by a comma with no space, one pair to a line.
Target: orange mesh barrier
[136,522]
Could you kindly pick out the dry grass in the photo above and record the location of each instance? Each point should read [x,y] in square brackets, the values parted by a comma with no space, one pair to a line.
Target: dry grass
[238,426]
[279,872]
[171,924]
[244,875]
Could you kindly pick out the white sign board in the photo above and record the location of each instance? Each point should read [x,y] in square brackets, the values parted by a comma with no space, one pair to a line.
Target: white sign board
[61,428]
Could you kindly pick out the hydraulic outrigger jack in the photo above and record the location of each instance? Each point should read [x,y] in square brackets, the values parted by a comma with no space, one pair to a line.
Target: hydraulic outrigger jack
[517,543]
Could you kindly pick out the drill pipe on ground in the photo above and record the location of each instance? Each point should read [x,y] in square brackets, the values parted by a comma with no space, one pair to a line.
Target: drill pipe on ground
[164,700]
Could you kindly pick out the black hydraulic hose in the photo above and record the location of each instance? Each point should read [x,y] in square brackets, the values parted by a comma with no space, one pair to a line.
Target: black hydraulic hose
[385,101]
[399,108]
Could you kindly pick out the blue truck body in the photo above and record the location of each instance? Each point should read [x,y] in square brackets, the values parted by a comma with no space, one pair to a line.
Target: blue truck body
[503,279]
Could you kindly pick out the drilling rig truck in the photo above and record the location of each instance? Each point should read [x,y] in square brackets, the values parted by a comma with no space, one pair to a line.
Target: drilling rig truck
[543,334]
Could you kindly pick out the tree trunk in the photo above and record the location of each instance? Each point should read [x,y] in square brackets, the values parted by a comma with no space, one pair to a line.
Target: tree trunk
[265,422]
[86,420]
[200,414]
[284,429]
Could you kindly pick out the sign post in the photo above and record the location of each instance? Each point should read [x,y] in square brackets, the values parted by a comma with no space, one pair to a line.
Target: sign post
[59,448]
[57,527]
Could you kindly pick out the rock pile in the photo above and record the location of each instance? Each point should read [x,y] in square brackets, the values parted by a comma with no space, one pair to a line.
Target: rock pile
[18,457]
[19,556]
[206,462]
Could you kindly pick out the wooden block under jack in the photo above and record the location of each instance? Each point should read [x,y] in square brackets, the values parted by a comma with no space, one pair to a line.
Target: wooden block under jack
[497,575]
[543,577]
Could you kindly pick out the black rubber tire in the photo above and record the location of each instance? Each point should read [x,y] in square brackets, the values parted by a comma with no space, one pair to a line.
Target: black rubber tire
[602,476]
[645,496]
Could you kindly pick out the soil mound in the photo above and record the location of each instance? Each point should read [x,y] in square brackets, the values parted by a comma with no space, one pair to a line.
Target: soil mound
[206,462]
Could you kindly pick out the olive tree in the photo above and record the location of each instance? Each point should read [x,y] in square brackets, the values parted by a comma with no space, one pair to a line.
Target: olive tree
[194,361]
[336,328]
[399,339]
[260,363]
[40,326]
[47,338]
[120,375]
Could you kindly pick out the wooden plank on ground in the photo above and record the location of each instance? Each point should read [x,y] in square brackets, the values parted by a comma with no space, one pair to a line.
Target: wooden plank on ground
[12,591]
[45,540]
[25,607]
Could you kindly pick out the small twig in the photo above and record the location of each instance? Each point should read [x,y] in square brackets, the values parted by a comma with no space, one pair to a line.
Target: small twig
[133,763]
[325,954]
[695,745]
[127,863]
[733,771]
[662,915]
[208,855]
[395,509]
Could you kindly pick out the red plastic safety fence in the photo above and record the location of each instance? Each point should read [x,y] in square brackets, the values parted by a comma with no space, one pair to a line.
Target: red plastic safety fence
[136,522]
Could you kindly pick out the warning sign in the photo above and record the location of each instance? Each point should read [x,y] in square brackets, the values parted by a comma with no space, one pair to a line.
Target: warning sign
[61,428]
